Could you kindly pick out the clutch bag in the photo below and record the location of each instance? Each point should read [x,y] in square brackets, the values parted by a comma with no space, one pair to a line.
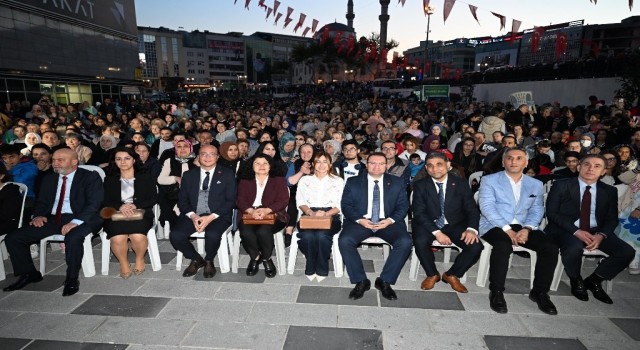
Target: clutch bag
[268,219]
[111,213]
[315,222]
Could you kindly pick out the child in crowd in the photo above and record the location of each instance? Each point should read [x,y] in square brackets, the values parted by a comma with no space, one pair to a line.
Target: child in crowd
[415,164]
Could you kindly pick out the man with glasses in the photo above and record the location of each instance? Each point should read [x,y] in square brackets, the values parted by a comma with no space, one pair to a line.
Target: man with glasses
[374,205]
[396,166]
[571,160]
[206,201]
[350,165]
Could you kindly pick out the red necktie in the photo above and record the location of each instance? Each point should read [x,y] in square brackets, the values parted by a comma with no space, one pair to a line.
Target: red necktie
[61,200]
[585,210]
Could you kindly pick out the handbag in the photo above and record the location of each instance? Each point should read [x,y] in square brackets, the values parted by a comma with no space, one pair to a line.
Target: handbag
[315,222]
[115,215]
[268,219]
[172,192]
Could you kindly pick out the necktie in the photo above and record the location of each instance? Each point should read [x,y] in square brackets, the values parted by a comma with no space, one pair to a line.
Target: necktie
[375,206]
[585,210]
[440,219]
[205,183]
[63,188]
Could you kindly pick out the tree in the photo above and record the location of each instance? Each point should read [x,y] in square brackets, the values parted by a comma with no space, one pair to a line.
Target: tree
[630,80]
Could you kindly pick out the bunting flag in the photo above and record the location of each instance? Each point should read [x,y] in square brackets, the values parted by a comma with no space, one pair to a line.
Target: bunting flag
[277,18]
[561,44]
[306,30]
[402,2]
[515,26]
[447,7]
[425,6]
[303,17]
[235,1]
[286,22]
[474,12]
[246,4]
[325,35]
[314,25]
[595,2]
[261,4]
[289,12]
[269,10]
[535,38]
[503,19]
[276,4]
[630,5]
[458,74]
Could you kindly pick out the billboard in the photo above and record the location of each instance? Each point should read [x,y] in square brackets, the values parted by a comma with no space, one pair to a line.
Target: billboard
[116,15]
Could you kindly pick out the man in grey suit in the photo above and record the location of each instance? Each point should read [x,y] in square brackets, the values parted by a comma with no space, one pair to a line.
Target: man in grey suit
[512,207]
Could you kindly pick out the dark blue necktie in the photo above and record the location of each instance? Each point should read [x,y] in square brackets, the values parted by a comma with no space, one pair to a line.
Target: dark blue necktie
[375,206]
[205,183]
[440,219]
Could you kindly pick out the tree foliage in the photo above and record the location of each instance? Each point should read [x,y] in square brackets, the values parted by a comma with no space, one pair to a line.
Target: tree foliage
[630,80]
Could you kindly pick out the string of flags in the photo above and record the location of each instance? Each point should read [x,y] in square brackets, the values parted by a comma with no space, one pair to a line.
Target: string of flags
[272,11]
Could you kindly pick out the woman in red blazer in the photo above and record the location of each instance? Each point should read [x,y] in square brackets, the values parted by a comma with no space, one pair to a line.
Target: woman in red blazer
[258,196]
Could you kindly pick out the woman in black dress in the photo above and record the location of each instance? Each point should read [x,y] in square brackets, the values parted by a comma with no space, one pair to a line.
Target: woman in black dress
[126,190]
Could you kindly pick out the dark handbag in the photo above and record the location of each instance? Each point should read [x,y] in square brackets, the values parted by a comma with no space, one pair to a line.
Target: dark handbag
[172,192]
[315,222]
[268,219]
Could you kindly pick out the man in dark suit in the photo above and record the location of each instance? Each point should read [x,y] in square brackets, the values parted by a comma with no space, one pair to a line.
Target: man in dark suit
[582,214]
[456,222]
[206,201]
[374,204]
[68,204]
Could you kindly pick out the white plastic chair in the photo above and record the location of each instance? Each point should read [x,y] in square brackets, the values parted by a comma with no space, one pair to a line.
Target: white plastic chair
[475,177]
[337,257]
[88,266]
[415,262]
[557,276]
[483,264]
[521,97]
[152,245]
[223,250]
[278,245]
[3,249]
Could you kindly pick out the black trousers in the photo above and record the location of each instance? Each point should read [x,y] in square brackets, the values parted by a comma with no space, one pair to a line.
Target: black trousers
[538,241]
[257,240]
[470,254]
[184,228]
[18,243]
[316,246]
[571,250]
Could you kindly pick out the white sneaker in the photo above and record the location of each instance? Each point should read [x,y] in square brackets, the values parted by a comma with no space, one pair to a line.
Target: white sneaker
[34,251]
[634,267]
[311,277]
[320,278]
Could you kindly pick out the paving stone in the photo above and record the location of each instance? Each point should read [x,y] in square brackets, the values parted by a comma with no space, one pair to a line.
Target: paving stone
[631,326]
[52,326]
[41,302]
[335,296]
[65,345]
[476,323]
[240,277]
[126,306]
[424,300]
[48,284]
[111,285]
[13,343]
[571,327]
[258,292]
[417,340]
[7,316]
[236,336]
[181,288]
[383,318]
[620,344]
[332,338]
[530,343]
[199,309]
[129,330]
[294,314]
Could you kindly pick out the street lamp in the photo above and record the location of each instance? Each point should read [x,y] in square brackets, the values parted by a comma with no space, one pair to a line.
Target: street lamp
[347,72]
[240,76]
[429,10]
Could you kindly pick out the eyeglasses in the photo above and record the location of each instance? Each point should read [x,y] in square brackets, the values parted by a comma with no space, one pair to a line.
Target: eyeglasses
[384,149]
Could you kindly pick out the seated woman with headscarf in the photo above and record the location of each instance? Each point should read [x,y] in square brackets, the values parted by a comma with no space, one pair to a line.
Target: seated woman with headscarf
[287,148]
[102,154]
[29,140]
[229,155]
[170,178]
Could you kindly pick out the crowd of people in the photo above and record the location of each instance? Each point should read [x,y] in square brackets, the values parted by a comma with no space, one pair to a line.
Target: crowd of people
[212,161]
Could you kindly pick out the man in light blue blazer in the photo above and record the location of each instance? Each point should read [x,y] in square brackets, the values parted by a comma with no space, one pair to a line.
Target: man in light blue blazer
[512,207]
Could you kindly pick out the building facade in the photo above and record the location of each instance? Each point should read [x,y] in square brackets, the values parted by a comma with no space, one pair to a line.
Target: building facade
[85,52]
[161,56]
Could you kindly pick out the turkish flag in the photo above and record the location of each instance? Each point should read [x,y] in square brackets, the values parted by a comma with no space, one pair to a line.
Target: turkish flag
[427,68]
[535,38]
[561,44]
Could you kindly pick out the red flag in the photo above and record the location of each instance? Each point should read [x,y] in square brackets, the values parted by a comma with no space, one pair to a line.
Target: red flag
[286,22]
[289,11]
[458,74]
[474,10]
[402,2]
[561,44]
[445,73]
[306,30]
[314,25]
[336,39]
[342,46]
[303,17]
[425,6]
[269,10]
[277,18]
[276,4]
[503,20]
[535,38]
[261,4]
[325,35]
[447,7]
[515,26]
[351,44]
[427,68]
[246,4]
[373,50]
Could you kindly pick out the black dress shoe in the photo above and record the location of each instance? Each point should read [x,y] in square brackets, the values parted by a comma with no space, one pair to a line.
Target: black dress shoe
[23,280]
[596,288]
[193,268]
[209,269]
[71,287]
[269,268]
[578,289]
[358,291]
[253,268]
[385,289]
[544,302]
[497,302]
